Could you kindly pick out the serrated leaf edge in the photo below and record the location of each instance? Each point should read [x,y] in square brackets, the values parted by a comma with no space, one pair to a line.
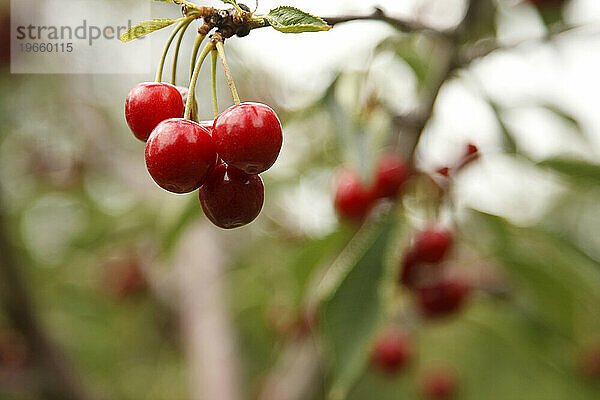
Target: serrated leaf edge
[125,36]
[281,28]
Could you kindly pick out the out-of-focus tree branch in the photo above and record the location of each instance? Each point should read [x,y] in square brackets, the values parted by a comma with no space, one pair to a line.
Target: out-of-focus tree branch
[200,261]
[483,48]
[58,380]
[297,374]
[449,53]
[378,14]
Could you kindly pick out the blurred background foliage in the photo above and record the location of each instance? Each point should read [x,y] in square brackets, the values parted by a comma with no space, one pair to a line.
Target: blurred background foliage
[91,248]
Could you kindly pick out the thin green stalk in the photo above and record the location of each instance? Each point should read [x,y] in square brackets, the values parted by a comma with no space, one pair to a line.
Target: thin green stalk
[234,4]
[161,63]
[213,76]
[176,54]
[192,91]
[195,51]
[230,83]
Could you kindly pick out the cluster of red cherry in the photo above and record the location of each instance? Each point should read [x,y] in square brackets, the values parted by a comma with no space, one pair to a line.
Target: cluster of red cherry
[394,350]
[436,295]
[354,200]
[421,268]
[421,271]
[222,158]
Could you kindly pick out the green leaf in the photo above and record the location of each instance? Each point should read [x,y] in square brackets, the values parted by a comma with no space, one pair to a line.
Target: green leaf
[174,231]
[580,171]
[232,2]
[408,49]
[565,116]
[292,20]
[483,21]
[146,27]
[316,252]
[509,143]
[353,312]
[551,14]
[554,274]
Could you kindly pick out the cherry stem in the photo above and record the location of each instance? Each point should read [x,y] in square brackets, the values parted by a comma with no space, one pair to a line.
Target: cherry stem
[195,51]
[213,77]
[176,54]
[234,4]
[230,83]
[161,63]
[192,90]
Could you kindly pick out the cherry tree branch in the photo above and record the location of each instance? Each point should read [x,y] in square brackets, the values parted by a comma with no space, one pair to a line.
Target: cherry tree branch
[378,14]
[474,51]
[59,380]
[450,64]
[209,339]
[297,374]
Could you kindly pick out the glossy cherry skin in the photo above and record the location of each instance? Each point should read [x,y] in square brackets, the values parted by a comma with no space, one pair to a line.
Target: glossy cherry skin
[432,244]
[231,198]
[150,103]
[208,125]
[390,175]
[392,351]
[179,155]
[439,385]
[442,298]
[248,136]
[352,200]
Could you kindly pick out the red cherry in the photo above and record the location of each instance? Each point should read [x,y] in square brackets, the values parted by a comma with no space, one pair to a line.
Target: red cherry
[125,278]
[307,322]
[471,154]
[392,351]
[184,96]
[248,136]
[352,201]
[439,385]
[150,103]
[409,269]
[471,149]
[442,298]
[445,171]
[590,363]
[179,155]
[14,350]
[231,198]
[208,125]
[432,245]
[390,175]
